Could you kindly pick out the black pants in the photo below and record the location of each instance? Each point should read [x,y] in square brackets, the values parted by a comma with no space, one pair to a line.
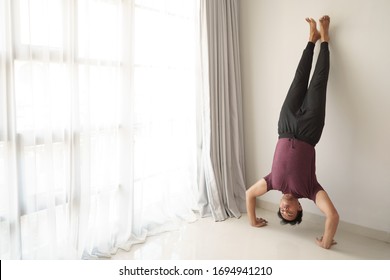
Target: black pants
[303,112]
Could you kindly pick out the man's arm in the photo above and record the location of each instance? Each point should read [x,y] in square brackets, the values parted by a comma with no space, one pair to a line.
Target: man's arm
[256,190]
[332,219]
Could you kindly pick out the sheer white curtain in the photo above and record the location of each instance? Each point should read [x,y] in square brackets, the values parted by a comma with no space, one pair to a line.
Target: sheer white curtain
[96,124]
[165,120]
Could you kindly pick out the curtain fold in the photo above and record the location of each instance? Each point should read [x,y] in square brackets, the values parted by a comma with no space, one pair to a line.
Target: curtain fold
[222,175]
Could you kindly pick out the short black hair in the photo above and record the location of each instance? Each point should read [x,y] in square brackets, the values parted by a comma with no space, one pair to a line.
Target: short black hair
[297,220]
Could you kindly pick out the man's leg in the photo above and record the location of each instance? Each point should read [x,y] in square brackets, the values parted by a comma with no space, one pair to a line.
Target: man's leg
[316,97]
[298,88]
[312,123]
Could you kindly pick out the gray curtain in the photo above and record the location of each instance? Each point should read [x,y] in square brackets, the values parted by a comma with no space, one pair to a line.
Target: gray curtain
[221,152]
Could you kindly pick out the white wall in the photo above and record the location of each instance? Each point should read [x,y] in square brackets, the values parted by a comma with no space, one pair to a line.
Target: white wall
[353,156]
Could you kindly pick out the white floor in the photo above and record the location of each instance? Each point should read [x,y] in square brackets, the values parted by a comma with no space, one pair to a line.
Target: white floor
[234,239]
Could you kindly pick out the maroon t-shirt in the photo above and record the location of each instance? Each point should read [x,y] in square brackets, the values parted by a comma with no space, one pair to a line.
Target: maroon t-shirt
[294,169]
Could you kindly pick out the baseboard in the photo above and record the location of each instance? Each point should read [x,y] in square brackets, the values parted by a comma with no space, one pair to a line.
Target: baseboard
[346,226]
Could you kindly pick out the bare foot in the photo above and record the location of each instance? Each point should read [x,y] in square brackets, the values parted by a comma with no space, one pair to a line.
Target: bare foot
[324,28]
[314,34]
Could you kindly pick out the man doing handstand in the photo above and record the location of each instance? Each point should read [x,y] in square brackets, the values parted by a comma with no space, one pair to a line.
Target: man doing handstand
[300,126]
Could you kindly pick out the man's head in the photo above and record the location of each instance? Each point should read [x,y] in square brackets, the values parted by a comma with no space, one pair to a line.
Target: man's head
[290,210]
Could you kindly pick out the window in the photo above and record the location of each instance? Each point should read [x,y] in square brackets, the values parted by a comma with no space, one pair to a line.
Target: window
[98,131]
[67,66]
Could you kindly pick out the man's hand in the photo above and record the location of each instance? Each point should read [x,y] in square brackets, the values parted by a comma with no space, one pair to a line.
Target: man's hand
[322,244]
[331,222]
[260,222]
[258,189]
